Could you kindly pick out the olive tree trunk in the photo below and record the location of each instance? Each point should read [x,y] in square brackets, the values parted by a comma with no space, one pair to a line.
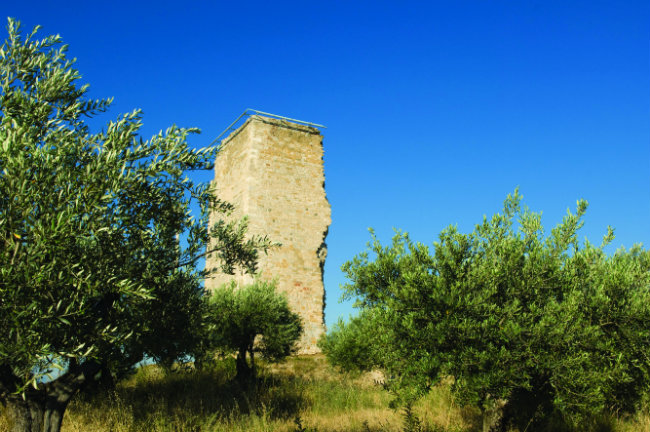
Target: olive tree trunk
[493,415]
[42,409]
[245,371]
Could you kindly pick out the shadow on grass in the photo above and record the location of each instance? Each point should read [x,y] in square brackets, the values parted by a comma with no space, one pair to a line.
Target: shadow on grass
[212,400]
[191,396]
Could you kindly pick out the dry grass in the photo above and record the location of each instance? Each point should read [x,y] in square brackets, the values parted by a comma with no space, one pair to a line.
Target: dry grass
[304,387]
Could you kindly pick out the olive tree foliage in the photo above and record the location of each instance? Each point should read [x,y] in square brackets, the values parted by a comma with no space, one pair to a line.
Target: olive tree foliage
[93,273]
[252,319]
[542,323]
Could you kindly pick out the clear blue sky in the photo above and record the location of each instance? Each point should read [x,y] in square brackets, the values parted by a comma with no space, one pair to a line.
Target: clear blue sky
[435,110]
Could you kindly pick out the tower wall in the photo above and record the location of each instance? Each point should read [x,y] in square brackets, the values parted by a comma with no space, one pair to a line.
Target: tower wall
[272,171]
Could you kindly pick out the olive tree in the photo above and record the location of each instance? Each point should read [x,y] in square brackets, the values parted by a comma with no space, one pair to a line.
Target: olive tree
[544,326]
[252,319]
[98,243]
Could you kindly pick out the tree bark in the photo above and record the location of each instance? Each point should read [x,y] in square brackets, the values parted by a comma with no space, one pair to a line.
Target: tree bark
[39,411]
[251,352]
[19,415]
[53,414]
[42,409]
[243,371]
[493,415]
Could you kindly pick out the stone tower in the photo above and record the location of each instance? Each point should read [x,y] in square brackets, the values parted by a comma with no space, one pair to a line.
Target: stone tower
[272,171]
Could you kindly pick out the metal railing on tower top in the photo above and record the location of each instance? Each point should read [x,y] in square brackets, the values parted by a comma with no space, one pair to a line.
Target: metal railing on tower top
[249,112]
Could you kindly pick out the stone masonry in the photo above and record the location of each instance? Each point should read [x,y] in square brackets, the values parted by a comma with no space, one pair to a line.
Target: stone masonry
[272,171]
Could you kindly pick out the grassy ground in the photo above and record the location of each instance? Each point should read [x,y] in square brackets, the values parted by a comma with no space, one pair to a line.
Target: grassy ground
[304,389]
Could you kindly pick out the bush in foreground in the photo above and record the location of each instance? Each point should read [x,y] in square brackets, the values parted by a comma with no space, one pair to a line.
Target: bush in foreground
[530,326]
[93,277]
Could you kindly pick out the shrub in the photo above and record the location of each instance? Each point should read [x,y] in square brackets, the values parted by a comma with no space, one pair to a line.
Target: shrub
[533,324]
[252,319]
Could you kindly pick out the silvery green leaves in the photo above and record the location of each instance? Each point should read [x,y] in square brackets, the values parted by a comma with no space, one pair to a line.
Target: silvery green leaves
[252,319]
[99,241]
[533,323]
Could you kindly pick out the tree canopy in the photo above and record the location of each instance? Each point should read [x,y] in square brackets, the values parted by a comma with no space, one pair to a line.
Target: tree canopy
[99,242]
[252,319]
[541,323]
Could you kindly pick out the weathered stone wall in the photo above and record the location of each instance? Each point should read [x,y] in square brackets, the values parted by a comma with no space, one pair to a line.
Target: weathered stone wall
[272,171]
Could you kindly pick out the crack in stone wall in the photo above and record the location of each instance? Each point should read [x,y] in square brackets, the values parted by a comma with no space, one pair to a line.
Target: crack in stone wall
[272,171]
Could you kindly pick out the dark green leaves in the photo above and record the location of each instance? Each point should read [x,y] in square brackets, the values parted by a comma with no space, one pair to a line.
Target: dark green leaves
[506,311]
[92,266]
[240,315]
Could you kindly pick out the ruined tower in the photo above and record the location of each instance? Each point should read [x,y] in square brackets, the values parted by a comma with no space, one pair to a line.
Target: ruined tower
[272,171]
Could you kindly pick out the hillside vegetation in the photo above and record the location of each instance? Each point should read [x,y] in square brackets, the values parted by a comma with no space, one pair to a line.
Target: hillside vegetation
[303,389]
[507,328]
